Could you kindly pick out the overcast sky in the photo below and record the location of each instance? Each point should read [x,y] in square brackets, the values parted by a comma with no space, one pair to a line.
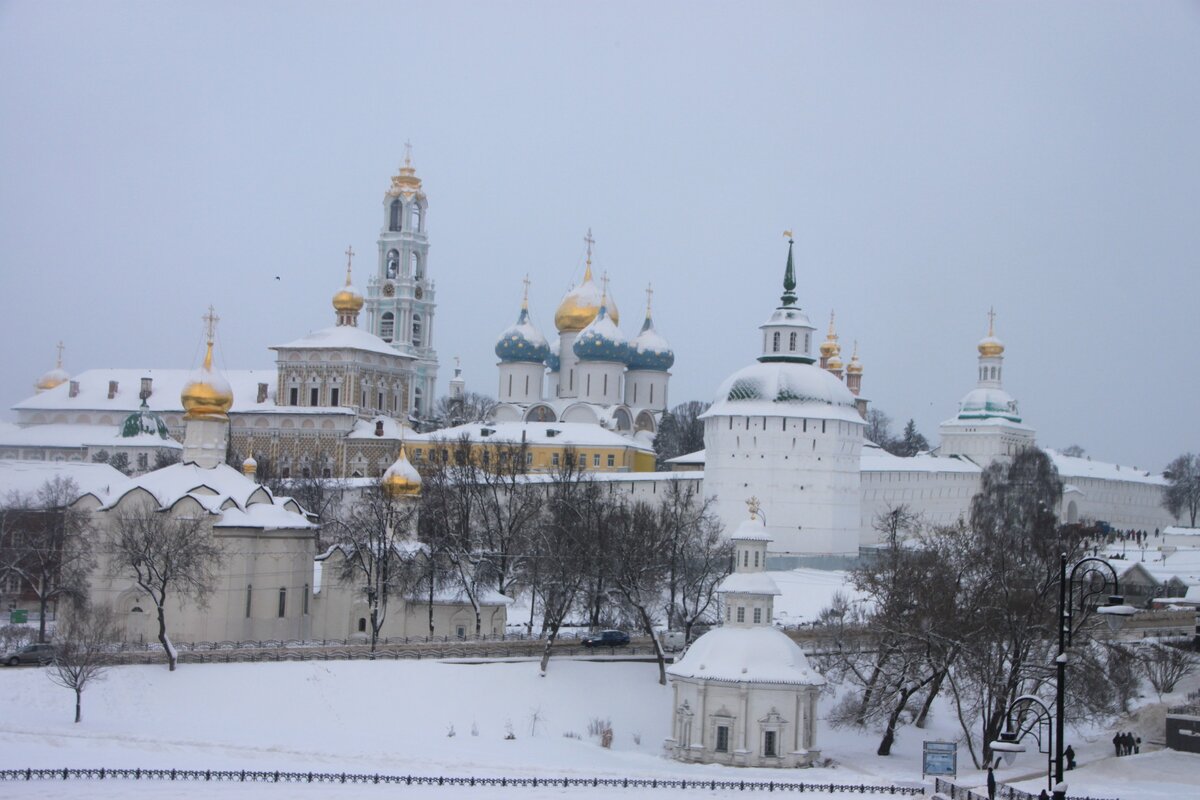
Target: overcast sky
[933,159]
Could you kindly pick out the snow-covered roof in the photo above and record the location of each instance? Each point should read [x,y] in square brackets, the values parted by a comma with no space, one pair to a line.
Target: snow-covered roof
[746,655]
[982,422]
[392,429]
[267,516]
[748,583]
[1081,467]
[72,435]
[26,477]
[784,389]
[688,458]
[752,530]
[875,459]
[560,434]
[341,337]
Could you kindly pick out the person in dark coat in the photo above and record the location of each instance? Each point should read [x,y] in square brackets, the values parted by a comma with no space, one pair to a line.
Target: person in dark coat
[991,784]
[1070,754]
[1137,744]
[1117,743]
[1043,795]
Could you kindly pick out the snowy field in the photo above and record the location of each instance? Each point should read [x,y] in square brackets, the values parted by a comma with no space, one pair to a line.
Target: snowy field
[395,717]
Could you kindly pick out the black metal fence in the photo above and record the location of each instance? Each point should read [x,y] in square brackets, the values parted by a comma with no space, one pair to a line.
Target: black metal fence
[255,776]
[1003,792]
[384,654]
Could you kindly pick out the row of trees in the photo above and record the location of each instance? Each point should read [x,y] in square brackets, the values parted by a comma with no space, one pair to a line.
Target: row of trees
[583,552]
[970,611]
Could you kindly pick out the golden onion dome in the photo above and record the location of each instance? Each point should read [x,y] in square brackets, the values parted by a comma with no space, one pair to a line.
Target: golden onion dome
[835,363]
[207,395]
[581,305]
[855,366]
[348,300]
[401,479]
[830,347]
[55,377]
[989,345]
[405,182]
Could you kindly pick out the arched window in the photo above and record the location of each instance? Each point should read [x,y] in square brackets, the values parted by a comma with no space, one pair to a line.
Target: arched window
[249,594]
[416,330]
[416,217]
[775,342]
[282,602]
[395,217]
[362,624]
[415,264]
[792,341]
[417,403]
[387,326]
[393,263]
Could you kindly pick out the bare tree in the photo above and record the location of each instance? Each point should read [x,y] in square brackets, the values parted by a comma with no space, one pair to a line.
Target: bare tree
[43,543]
[166,555]
[470,407]
[639,555]
[879,427]
[699,557]
[380,552]
[1165,665]
[83,650]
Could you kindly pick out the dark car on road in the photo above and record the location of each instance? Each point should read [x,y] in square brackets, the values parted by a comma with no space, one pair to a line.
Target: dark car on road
[31,654]
[607,639]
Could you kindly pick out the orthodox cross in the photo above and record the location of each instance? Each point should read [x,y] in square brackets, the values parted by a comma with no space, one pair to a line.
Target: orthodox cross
[525,296]
[604,288]
[992,321]
[60,351]
[590,241]
[753,505]
[349,259]
[649,297]
[210,323]
[407,154]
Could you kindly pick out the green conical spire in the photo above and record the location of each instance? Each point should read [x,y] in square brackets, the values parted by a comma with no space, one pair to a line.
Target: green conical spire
[789,279]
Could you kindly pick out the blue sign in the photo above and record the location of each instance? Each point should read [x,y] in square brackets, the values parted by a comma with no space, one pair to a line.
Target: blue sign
[939,758]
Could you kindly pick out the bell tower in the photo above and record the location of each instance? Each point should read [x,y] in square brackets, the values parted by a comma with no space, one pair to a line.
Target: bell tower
[400,295]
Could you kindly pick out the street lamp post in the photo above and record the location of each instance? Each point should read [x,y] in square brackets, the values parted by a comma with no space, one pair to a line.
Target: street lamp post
[1092,574]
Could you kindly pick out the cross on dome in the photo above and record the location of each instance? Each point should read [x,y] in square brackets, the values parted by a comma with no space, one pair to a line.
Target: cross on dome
[210,325]
[753,505]
[60,352]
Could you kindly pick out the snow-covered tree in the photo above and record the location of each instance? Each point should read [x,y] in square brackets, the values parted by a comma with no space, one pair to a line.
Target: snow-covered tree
[83,650]
[680,431]
[1182,495]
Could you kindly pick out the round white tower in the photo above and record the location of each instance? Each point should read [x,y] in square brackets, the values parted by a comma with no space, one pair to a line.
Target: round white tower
[788,432]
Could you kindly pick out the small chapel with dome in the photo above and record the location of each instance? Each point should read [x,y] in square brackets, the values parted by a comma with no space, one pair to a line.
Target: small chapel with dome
[744,694]
[592,373]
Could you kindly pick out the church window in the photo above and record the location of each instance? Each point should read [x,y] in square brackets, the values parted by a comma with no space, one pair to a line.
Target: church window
[416,330]
[775,342]
[294,396]
[510,385]
[306,472]
[756,558]
[526,385]
[769,748]
[394,218]
[588,386]
[416,217]
[605,390]
[282,602]
[612,460]
[314,396]
[571,379]
[387,326]
[285,472]
[417,400]
[745,558]
[415,262]
[722,739]
[333,396]
[305,600]
[364,399]
[554,459]
[379,404]
[393,263]
[326,473]
[249,594]
[741,614]
[792,341]
[143,461]
[362,624]
[757,616]
[652,394]
[806,342]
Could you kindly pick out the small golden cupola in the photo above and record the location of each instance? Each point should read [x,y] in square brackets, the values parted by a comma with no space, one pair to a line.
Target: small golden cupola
[831,350]
[401,479]
[55,377]
[582,303]
[405,182]
[990,346]
[348,301]
[207,395]
[855,366]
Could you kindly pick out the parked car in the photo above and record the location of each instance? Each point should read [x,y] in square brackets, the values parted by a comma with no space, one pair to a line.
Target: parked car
[607,639]
[31,654]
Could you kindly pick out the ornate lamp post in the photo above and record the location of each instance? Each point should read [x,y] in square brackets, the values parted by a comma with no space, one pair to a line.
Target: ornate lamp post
[1093,575]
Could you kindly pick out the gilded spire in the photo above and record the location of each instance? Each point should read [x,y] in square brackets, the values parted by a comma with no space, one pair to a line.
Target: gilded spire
[347,302]
[789,276]
[210,329]
[207,395]
[990,346]
[405,181]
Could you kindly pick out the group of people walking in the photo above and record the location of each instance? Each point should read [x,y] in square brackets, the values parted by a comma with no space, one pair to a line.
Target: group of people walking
[1127,744]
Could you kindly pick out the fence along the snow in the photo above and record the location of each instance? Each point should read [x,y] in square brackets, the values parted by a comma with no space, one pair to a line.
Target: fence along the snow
[1003,792]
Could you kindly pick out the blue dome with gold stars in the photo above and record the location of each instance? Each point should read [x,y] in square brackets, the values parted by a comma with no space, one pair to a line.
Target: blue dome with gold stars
[552,360]
[523,341]
[649,350]
[601,340]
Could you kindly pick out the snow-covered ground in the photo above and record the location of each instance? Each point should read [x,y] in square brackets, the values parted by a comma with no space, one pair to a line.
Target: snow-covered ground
[395,717]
